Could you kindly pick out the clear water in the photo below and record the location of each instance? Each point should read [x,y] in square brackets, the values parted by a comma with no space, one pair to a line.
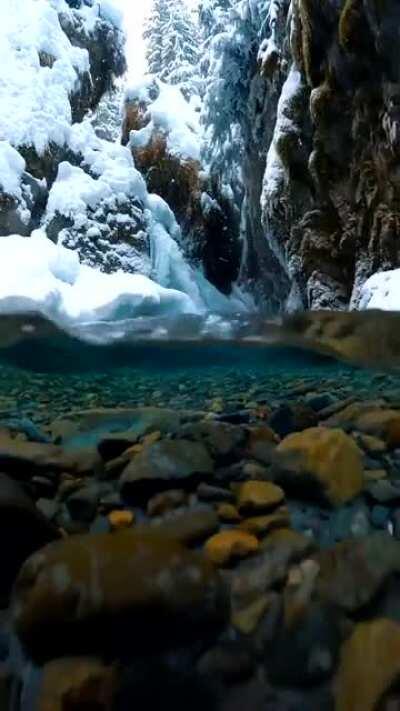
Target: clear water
[46,373]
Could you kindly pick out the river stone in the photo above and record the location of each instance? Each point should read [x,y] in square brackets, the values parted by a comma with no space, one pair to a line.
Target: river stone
[82,504]
[221,438]
[354,571]
[261,525]
[77,683]
[165,464]
[22,459]
[227,547]
[259,496]
[369,665]
[324,462]
[166,501]
[116,593]
[189,527]
[23,530]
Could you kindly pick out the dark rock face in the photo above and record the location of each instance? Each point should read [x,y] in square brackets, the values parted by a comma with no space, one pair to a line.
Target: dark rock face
[330,199]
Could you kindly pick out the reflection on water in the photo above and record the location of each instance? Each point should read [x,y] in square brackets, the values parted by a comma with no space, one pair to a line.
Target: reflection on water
[224,505]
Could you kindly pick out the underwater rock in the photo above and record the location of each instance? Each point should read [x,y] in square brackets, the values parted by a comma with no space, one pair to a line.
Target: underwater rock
[189,527]
[23,530]
[355,570]
[369,665]
[75,683]
[261,525]
[230,546]
[259,496]
[221,438]
[95,593]
[164,465]
[324,463]
[166,501]
[21,459]
[82,504]
[120,519]
[227,513]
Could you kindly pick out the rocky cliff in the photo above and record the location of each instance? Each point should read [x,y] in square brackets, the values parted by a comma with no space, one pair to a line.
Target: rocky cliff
[314,87]
[330,196]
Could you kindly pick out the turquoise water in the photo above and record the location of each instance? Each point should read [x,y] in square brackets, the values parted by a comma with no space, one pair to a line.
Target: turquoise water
[47,375]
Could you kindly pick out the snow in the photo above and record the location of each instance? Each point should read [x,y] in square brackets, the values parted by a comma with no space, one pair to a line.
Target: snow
[381,291]
[274,171]
[51,281]
[110,162]
[104,9]
[169,114]
[12,165]
[34,100]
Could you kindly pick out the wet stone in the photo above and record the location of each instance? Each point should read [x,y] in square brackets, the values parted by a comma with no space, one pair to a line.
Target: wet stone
[82,505]
[216,494]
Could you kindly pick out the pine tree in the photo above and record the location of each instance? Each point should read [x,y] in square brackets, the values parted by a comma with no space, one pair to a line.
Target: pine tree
[153,35]
[173,46]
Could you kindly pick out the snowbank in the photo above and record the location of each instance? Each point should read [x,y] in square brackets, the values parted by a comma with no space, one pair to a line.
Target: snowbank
[50,280]
[381,291]
[169,114]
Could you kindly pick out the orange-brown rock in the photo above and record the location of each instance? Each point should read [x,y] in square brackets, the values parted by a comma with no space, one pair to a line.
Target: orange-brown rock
[261,525]
[228,513]
[76,683]
[258,496]
[369,665]
[382,423]
[228,546]
[87,594]
[326,462]
[120,519]
[261,443]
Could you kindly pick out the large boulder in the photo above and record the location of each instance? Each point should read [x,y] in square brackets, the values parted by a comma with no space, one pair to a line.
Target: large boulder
[325,462]
[121,593]
[165,464]
[369,666]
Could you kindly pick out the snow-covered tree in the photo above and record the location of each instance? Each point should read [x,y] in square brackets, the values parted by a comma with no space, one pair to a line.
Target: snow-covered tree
[173,46]
[153,35]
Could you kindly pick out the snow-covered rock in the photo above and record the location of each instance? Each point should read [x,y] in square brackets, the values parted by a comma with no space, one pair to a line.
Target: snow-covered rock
[381,291]
[164,112]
